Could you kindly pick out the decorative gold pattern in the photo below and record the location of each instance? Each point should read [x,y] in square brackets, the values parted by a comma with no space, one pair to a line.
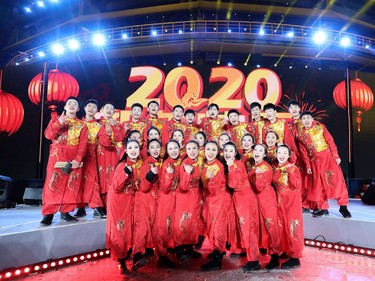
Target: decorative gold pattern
[185,216]
[294,226]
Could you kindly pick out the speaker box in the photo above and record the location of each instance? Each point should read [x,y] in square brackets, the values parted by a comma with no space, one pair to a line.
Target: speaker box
[33,196]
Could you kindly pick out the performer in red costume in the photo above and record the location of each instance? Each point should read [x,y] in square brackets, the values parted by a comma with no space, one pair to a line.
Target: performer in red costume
[90,190]
[235,128]
[191,128]
[109,134]
[120,203]
[69,141]
[153,119]
[163,227]
[294,126]
[271,140]
[136,122]
[260,178]
[214,183]
[145,204]
[323,163]
[189,202]
[256,125]
[175,123]
[245,204]
[212,125]
[287,181]
[248,142]
[178,135]
[152,133]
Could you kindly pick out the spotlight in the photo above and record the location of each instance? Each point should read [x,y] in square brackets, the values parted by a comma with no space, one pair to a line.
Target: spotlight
[124,36]
[218,62]
[57,49]
[345,42]
[290,34]
[26,59]
[163,64]
[27,10]
[99,39]
[154,33]
[73,44]
[180,31]
[17,63]
[41,54]
[179,64]
[191,62]
[258,65]
[245,64]
[40,4]
[290,67]
[275,65]
[320,37]
[261,32]
[54,1]
[229,31]
[367,46]
[230,64]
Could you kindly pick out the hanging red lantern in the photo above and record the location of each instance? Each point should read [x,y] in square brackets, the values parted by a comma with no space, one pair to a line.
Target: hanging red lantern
[361,95]
[61,86]
[11,113]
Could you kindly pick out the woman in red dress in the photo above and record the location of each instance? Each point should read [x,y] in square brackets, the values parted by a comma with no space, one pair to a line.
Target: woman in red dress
[119,228]
[163,228]
[217,196]
[260,178]
[178,135]
[188,203]
[145,204]
[287,181]
[245,204]
[247,143]
[271,142]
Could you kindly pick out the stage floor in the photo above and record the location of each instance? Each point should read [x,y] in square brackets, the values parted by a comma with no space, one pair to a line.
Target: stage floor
[24,241]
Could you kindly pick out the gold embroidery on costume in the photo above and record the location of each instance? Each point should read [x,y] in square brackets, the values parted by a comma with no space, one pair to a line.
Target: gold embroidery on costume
[120,225]
[72,178]
[294,225]
[268,222]
[242,220]
[52,184]
[185,217]
[168,224]
[329,177]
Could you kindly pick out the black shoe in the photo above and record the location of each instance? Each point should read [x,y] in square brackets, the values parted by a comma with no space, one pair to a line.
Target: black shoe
[315,211]
[305,211]
[99,213]
[81,212]
[138,261]
[121,265]
[164,262]
[283,256]
[292,262]
[263,251]
[192,253]
[215,263]
[199,244]
[67,217]
[321,213]
[149,252]
[274,262]
[251,266]
[47,220]
[345,212]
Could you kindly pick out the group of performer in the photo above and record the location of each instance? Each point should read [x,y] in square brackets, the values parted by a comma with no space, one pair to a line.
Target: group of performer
[166,185]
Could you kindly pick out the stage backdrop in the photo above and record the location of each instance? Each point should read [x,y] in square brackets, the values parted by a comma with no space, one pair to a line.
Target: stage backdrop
[192,87]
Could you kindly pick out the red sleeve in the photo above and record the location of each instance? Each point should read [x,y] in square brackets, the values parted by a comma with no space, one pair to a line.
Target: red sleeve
[295,180]
[53,129]
[104,139]
[165,133]
[304,154]
[215,183]
[82,145]
[236,171]
[332,146]
[118,132]
[263,179]
[145,185]
[184,178]
[166,179]
[119,177]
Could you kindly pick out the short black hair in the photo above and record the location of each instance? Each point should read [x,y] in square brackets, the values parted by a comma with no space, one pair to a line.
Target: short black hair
[293,102]
[72,98]
[306,113]
[233,111]
[178,106]
[271,131]
[151,102]
[255,104]
[213,105]
[137,104]
[108,102]
[153,128]
[133,132]
[187,111]
[94,101]
[269,106]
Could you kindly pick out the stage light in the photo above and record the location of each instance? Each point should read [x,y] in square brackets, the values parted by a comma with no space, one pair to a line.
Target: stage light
[82,258]
[75,259]
[180,31]
[245,64]
[98,39]
[306,66]
[258,65]
[89,256]
[27,10]
[230,64]
[61,262]
[26,59]
[68,260]
[191,62]
[17,63]
[229,31]
[73,44]
[53,264]
[40,4]
[41,54]
[8,274]
[45,266]
[27,270]
[290,67]
[345,42]
[154,33]
[290,34]
[57,49]
[261,32]
[17,272]
[124,36]
[367,46]
[107,252]
[179,64]
[37,267]
[320,37]
[101,252]
[275,65]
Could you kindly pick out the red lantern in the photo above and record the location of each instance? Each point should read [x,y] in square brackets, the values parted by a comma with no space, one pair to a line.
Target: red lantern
[361,95]
[11,113]
[61,86]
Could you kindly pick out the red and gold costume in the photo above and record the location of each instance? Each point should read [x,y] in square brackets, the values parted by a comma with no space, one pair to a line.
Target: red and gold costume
[271,155]
[168,128]
[260,178]
[139,125]
[163,227]
[153,122]
[90,189]
[237,132]
[247,159]
[188,205]
[256,129]
[190,131]
[145,206]
[287,181]
[212,127]
[69,142]
[320,153]
[108,154]
[216,204]
[246,207]
[278,127]
[120,204]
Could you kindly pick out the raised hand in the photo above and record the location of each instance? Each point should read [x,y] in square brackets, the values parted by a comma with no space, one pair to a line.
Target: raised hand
[75,164]
[111,121]
[210,173]
[62,118]
[230,162]
[154,169]
[188,168]
[170,169]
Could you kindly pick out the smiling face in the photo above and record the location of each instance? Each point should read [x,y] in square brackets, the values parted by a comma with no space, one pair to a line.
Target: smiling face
[307,121]
[153,109]
[255,113]
[135,136]
[294,110]
[270,114]
[173,150]
[178,136]
[210,151]
[230,152]
[177,114]
[136,112]
[282,154]
[132,150]
[223,139]
[107,111]
[91,109]
[200,139]
[271,139]
[153,134]
[259,153]
[71,107]
[247,142]
[233,119]
[154,149]
[213,112]
[189,117]
[192,150]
